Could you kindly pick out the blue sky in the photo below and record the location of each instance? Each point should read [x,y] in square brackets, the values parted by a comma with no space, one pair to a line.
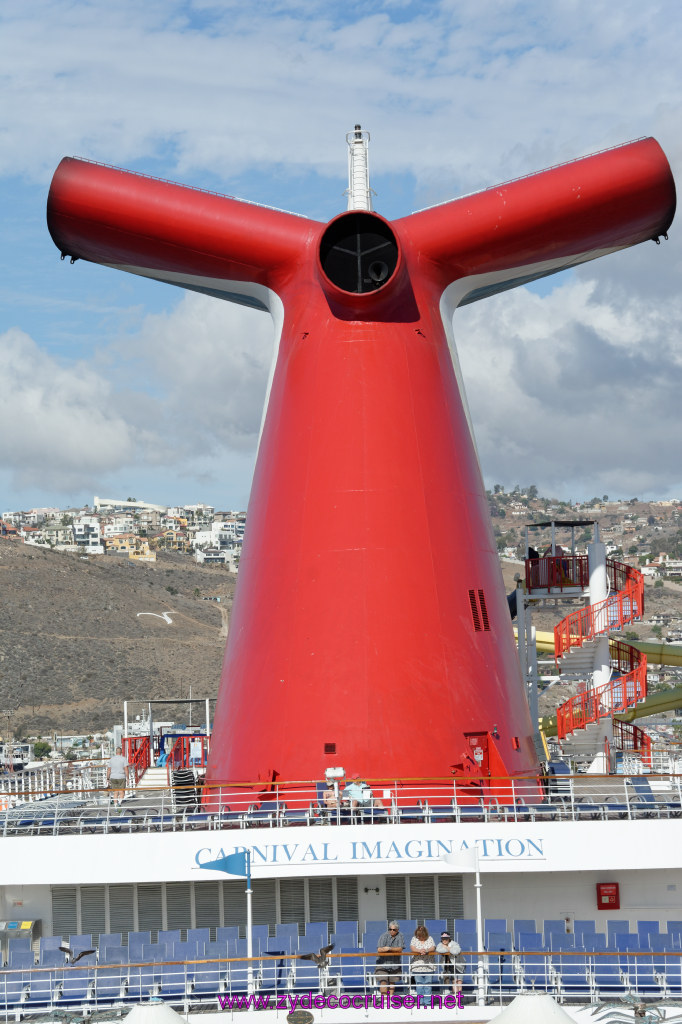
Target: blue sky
[112,385]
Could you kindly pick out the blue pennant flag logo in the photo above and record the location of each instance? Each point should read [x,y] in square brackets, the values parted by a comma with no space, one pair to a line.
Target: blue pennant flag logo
[235,864]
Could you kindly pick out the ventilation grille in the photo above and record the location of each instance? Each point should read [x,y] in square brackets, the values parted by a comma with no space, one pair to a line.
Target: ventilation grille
[479,611]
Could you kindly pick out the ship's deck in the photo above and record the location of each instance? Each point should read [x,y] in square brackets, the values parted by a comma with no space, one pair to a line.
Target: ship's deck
[567,799]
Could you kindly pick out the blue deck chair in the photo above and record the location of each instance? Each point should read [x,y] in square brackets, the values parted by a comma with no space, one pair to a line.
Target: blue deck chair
[144,980]
[199,935]
[614,928]
[20,945]
[552,926]
[494,924]
[584,927]
[209,979]
[265,813]
[111,981]
[136,940]
[574,977]
[238,976]
[594,943]
[317,931]
[464,926]
[643,978]
[350,927]
[230,934]
[306,976]
[370,941]
[49,943]
[671,976]
[43,984]
[289,931]
[274,972]
[310,944]
[607,975]
[169,937]
[113,955]
[525,925]
[14,987]
[435,926]
[78,985]
[109,939]
[408,926]
[80,942]
[353,972]
[644,930]
[529,941]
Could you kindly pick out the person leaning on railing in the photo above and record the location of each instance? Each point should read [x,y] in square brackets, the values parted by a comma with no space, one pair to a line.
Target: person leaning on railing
[388,967]
[422,965]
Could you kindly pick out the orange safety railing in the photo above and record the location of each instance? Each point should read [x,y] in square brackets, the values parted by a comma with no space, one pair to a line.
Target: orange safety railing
[617,695]
[630,737]
[189,752]
[628,687]
[136,752]
[623,606]
[557,572]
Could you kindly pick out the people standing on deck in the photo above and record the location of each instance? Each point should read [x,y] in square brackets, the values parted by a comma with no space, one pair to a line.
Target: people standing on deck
[117,776]
[453,969]
[423,963]
[388,969]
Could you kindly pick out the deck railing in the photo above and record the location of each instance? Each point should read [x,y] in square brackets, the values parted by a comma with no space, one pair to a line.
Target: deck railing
[137,751]
[557,572]
[399,802]
[569,968]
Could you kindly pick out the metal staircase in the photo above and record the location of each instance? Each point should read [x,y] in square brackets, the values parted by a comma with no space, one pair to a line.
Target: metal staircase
[576,650]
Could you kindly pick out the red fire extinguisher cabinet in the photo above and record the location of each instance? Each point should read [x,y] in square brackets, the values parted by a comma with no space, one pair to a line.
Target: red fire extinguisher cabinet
[608,896]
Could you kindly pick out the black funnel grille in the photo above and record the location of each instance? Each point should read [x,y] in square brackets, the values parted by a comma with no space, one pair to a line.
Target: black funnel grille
[358,253]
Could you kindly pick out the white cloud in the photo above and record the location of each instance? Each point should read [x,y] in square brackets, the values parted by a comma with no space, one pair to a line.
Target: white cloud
[457,97]
[59,424]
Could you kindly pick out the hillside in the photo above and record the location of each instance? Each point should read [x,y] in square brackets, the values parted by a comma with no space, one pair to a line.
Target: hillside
[72,646]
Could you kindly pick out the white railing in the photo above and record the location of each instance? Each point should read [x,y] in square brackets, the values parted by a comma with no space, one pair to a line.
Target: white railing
[348,980]
[562,798]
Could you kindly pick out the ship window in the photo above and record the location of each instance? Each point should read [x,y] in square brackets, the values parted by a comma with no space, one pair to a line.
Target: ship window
[330,748]
[207,905]
[93,910]
[422,897]
[122,910]
[178,905]
[264,901]
[346,899]
[291,900]
[320,899]
[234,902]
[64,911]
[450,896]
[418,897]
[150,908]
[396,897]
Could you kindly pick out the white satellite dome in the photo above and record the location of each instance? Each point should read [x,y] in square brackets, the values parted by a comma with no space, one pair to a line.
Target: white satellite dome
[533,1008]
[154,1012]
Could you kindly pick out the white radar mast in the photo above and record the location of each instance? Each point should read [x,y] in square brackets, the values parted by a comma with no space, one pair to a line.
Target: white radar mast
[359,192]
